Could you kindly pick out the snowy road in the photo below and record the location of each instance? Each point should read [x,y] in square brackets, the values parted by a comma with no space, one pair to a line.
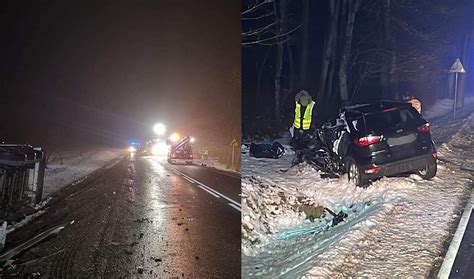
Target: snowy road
[399,226]
[141,216]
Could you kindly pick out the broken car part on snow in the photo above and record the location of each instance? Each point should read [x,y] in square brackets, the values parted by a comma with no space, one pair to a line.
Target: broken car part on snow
[33,241]
[272,150]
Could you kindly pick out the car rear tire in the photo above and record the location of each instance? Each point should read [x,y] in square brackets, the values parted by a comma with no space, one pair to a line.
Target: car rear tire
[429,171]
[355,175]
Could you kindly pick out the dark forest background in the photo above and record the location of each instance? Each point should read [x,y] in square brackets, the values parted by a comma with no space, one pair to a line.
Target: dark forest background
[349,51]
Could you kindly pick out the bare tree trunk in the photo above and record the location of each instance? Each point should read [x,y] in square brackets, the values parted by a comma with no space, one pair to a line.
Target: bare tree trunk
[257,95]
[291,67]
[389,78]
[280,18]
[328,49]
[465,63]
[304,44]
[353,7]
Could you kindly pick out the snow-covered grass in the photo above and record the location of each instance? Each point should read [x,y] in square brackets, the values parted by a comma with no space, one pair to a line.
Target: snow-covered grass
[70,167]
[396,227]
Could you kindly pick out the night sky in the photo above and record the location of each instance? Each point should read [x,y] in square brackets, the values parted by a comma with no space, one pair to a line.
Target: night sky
[109,70]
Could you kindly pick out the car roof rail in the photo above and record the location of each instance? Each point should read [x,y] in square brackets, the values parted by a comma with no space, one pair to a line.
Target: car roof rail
[373,106]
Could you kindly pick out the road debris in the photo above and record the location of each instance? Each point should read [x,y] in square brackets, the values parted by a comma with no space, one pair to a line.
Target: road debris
[30,243]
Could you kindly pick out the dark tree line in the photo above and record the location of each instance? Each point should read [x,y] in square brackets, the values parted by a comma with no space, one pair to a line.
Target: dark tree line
[347,51]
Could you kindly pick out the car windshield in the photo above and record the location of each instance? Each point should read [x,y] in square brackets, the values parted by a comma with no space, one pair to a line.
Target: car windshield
[381,121]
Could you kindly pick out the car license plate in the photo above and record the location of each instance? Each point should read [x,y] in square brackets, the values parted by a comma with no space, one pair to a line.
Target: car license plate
[401,140]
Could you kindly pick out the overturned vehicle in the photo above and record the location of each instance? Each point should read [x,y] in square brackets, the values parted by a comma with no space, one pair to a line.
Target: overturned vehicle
[370,141]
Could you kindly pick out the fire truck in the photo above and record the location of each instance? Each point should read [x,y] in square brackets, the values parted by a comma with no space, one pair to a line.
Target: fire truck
[180,149]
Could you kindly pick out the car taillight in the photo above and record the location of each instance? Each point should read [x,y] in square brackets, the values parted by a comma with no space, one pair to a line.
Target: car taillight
[365,141]
[425,128]
[372,170]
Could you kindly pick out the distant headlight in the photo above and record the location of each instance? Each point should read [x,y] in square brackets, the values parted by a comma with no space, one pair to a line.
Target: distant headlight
[160,148]
[175,137]
[132,149]
[192,139]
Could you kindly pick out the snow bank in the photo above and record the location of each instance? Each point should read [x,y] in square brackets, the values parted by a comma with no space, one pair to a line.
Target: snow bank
[213,163]
[444,107]
[71,167]
[398,230]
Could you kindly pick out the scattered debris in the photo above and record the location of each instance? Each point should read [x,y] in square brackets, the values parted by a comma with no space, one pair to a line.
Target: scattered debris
[30,243]
[140,270]
[3,234]
[312,212]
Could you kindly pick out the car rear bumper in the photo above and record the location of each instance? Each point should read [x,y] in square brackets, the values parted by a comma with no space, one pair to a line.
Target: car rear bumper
[402,166]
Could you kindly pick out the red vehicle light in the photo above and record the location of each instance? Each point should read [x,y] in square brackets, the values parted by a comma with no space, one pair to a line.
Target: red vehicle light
[425,128]
[372,170]
[366,141]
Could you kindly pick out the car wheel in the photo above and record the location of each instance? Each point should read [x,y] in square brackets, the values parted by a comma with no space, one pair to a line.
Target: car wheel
[355,175]
[429,171]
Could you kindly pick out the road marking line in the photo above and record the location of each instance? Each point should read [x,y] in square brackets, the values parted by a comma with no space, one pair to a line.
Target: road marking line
[452,252]
[223,172]
[189,180]
[208,189]
[218,193]
[234,206]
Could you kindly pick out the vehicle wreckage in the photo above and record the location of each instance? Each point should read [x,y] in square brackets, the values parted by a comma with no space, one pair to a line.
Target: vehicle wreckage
[370,141]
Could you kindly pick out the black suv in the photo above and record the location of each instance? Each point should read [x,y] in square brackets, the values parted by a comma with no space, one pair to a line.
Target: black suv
[381,139]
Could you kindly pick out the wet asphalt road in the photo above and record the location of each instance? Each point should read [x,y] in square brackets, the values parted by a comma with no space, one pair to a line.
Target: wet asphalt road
[141,218]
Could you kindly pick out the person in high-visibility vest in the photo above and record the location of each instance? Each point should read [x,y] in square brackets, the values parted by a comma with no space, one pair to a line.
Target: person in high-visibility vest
[304,126]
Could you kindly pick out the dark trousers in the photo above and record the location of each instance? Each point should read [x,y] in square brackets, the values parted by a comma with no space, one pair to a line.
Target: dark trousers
[302,141]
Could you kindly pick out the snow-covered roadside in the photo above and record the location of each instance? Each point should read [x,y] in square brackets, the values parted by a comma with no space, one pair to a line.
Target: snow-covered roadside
[68,168]
[212,163]
[398,230]
[71,167]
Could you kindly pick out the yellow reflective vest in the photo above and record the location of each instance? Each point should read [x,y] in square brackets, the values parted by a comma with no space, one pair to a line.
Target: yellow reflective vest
[308,112]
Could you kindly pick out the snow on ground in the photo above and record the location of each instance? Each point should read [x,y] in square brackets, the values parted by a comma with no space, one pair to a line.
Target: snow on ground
[67,168]
[444,107]
[71,167]
[396,227]
[213,163]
